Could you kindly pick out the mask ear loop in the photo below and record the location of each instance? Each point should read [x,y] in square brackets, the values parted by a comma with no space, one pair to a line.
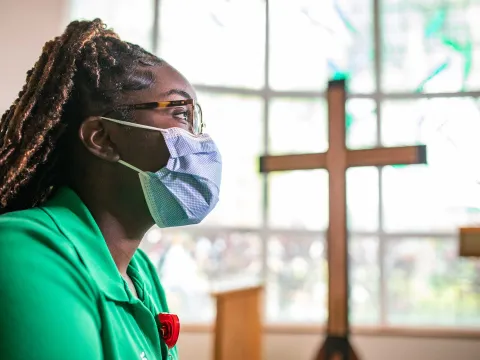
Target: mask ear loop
[126,123]
[135,125]
[132,167]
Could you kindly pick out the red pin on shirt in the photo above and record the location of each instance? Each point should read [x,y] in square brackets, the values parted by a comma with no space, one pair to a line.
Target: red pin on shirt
[169,328]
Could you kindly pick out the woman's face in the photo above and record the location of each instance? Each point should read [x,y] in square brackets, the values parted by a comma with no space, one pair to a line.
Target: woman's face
[144,149]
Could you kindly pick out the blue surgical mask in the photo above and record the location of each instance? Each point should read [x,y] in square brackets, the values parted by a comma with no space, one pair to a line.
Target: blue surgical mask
[186,190]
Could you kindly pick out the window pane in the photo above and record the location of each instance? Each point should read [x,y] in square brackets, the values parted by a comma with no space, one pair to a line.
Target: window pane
[236,124]
[133,22]
[297,126]
[298,199]
[192,264]
[296,287]
[364,280]
[361,123]
[445,192]
[428,284]
[215,42]
[362,199]
[312,41]
[431,46]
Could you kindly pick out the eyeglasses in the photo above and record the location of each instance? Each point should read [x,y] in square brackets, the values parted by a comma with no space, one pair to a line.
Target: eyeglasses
[195,117]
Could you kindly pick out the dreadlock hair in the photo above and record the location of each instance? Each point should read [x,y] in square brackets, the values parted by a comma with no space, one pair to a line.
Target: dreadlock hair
[88,64]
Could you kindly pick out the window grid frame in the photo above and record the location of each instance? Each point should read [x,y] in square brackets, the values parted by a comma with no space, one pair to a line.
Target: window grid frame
[266,94]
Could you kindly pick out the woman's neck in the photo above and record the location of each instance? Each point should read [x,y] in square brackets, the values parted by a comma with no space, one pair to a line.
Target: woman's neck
[122,231]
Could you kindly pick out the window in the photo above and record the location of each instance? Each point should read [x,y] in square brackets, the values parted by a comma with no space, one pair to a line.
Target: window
[414,77]
[133,23]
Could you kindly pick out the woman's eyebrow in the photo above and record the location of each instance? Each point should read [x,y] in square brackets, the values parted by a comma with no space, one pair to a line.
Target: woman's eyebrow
[178,92]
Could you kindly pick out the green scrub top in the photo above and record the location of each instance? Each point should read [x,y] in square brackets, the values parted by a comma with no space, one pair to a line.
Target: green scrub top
[61,295]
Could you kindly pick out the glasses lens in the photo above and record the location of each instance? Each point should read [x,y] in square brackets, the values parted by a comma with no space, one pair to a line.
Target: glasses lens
[197,120]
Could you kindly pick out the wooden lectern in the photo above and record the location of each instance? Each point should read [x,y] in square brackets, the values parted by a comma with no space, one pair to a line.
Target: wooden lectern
[469,242]
[238,325]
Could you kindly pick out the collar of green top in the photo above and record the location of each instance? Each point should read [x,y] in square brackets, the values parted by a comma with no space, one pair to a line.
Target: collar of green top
[77,224]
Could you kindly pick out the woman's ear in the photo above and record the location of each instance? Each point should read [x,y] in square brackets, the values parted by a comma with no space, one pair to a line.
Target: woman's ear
[95,137]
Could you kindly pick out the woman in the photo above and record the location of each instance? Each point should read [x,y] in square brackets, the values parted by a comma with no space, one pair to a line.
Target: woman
[103,141]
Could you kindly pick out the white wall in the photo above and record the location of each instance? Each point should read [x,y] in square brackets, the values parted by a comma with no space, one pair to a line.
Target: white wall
[25,25]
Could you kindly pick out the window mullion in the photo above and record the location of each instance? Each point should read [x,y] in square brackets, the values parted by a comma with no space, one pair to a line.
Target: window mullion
[156,27]
[377,43]
[266,104]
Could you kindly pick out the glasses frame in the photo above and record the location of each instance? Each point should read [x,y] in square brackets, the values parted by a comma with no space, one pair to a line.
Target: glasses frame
[166,104]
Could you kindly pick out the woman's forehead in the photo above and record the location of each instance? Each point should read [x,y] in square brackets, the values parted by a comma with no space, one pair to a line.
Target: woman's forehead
[163,89]
[170,84]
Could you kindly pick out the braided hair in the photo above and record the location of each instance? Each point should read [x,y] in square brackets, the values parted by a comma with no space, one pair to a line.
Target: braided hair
[88,67]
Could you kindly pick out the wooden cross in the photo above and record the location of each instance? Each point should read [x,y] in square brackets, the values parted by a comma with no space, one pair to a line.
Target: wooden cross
[336,160]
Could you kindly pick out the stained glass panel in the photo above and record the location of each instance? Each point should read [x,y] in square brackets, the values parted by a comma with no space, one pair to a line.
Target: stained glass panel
[215,42]
[446,192]
[296,286]
[192,264]
[312,41]
[235,123]
[428,284]
[430,46]
[134,23]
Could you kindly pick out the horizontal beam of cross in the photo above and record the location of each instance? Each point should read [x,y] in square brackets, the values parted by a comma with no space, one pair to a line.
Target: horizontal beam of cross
[406,155]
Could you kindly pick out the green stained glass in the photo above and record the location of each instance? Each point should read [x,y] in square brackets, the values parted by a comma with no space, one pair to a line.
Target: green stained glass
[340,75]
[399,166]
[430,46]
[349,121]
[436,22]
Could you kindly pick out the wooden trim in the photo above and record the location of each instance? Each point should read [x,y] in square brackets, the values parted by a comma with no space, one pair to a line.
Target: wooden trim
[374,331]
